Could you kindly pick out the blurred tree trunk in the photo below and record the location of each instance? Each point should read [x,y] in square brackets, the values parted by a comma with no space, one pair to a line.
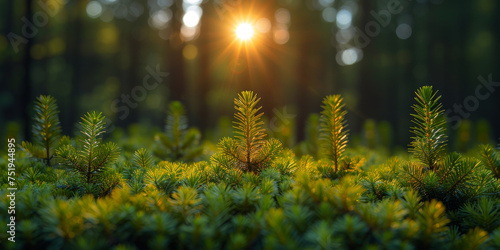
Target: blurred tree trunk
[308,87]
[496,55]
[134,49]
[204,84]
[369,97]
[302,94]
[26,97]
[74,33]
[7,65]
[178,80]
[270,84]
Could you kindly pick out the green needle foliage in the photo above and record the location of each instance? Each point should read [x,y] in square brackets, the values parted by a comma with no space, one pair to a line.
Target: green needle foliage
[249,151]
[484,214]
[490,159]
[432,220]
[178,143]
[333,128]
[46,130]
[430,137]
[454,181]
[250,195]
[92,158]
[249,124]
[143,158]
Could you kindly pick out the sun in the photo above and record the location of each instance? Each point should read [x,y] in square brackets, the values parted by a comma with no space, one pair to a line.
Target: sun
[244,31]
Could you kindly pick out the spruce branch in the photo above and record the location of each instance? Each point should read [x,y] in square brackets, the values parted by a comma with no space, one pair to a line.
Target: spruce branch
[489,159]
[414,175]
[249,150]
[46,129]
[334,130]
[179,142]
[92,158]
[248,124]
[429,140]
[143,158]
[461,177]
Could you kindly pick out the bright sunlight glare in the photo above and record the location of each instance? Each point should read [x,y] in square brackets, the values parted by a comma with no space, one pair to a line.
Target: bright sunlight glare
[244,31]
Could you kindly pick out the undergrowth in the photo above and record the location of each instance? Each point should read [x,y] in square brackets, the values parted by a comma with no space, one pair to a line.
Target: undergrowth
[251,192]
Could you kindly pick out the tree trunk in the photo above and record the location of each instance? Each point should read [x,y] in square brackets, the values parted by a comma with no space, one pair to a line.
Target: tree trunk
[369,98]
[178,82]
[26,98]
[75,30]
[204,84]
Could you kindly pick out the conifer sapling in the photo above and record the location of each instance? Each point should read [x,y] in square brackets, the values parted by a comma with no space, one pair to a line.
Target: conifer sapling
[334,130]
[46,130]
[429,140]
[249,151]
[178,143]
[92,158]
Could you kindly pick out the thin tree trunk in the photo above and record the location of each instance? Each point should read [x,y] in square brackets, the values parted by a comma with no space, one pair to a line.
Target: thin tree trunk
[204,83]
[7,66]
[177,85]
[369,99]
[26,98]
[133,80]
[75,29]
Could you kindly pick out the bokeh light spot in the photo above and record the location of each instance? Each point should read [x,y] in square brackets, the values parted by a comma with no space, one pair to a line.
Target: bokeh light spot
[108,38]
[192,16]
[263,25]
[344,36]
[329,14]
[107,16]
[190,52]
[164,3]
[188,33]
[108,35]
[403,31]
[282,15]
[193,2]
[349,56]
[94,9]
[326,3]
[160,18]
[281,36]
[344,19]
[56,46]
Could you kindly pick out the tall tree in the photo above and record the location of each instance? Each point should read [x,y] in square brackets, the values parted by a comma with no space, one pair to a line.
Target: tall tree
[176,58]
[307,46]
[25,99]
[75,29]
[368,88]
[204,82]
